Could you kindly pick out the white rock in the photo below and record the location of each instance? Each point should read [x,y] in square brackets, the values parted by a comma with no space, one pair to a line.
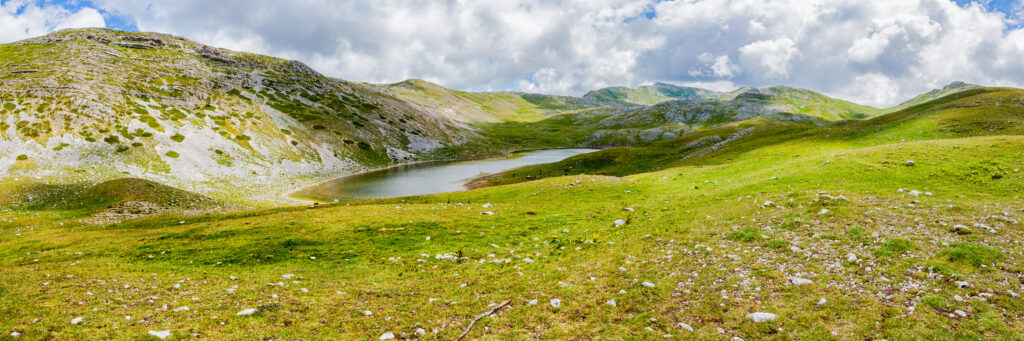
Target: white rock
[249,311]
[419,332]
[767,204]
[387,336]
[850,257]
[794,249]
[556,302]
[76,320]
[915,193]
[647,284]
[163,334]
[684,326]
[15,334]
[531,302]
[487,213]
[800,281]
[823,211]
[610,302]
[822,301]
[762,317]
[487,205]
[288,276]
[960,312]
[367,313]
[620,222]
[181,309]
[233,278]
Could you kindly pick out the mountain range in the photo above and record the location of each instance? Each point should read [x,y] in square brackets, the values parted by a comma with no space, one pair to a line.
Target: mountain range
[94,104]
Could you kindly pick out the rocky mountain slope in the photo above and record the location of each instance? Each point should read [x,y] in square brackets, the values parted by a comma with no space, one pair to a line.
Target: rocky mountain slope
[486,107]
[602,127]
[101,103]
[646,94]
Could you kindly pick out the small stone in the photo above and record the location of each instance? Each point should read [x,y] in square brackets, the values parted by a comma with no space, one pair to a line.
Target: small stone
[387,336]
[249,311]
[555,303]
[647,284]
[288,276]
[800,281]
[822,301]
[620,222]
[909,163]
[685,326]
[163,334]
[851,257]
[76,320]
[531,302]
[610,302]
[960,312]
[419,332]
[762,317]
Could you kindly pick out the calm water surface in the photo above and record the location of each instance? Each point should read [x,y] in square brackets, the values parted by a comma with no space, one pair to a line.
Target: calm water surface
[426,178]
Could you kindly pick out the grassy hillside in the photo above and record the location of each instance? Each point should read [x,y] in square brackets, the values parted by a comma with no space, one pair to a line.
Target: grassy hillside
[646,94]
[934,94]
[485,107]
[977,112]
[829,229]
[638,126]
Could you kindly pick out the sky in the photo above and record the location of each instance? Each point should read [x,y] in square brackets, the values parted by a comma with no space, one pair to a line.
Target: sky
[876,52]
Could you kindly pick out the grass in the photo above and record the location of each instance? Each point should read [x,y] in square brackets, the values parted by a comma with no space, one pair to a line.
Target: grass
[700,231]
[695,233]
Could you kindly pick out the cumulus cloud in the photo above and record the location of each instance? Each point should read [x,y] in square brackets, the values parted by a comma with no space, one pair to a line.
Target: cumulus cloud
[20,19]
[873,52]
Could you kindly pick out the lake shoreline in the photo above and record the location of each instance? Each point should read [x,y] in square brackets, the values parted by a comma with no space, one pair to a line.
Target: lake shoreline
[477,182]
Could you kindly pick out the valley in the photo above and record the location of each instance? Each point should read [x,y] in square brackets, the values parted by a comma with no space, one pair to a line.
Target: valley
[143,180]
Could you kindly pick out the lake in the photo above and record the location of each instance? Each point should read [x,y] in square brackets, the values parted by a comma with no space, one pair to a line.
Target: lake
[426,178]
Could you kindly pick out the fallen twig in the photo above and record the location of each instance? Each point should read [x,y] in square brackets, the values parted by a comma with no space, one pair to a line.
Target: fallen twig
[488,313]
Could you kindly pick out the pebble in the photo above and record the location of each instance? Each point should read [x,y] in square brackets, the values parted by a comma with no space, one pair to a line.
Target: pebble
[555,303]
[419,332]
[685,326]
[76,320]
[387,336]
[620,222]
[611,303]
[647,284]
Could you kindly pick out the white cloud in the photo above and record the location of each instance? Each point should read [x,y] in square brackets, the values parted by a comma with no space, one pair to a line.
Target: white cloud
[773,55]
[20,19]
[877,52]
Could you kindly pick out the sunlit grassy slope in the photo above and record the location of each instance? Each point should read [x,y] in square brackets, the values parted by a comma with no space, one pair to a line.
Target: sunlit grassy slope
[829,228]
